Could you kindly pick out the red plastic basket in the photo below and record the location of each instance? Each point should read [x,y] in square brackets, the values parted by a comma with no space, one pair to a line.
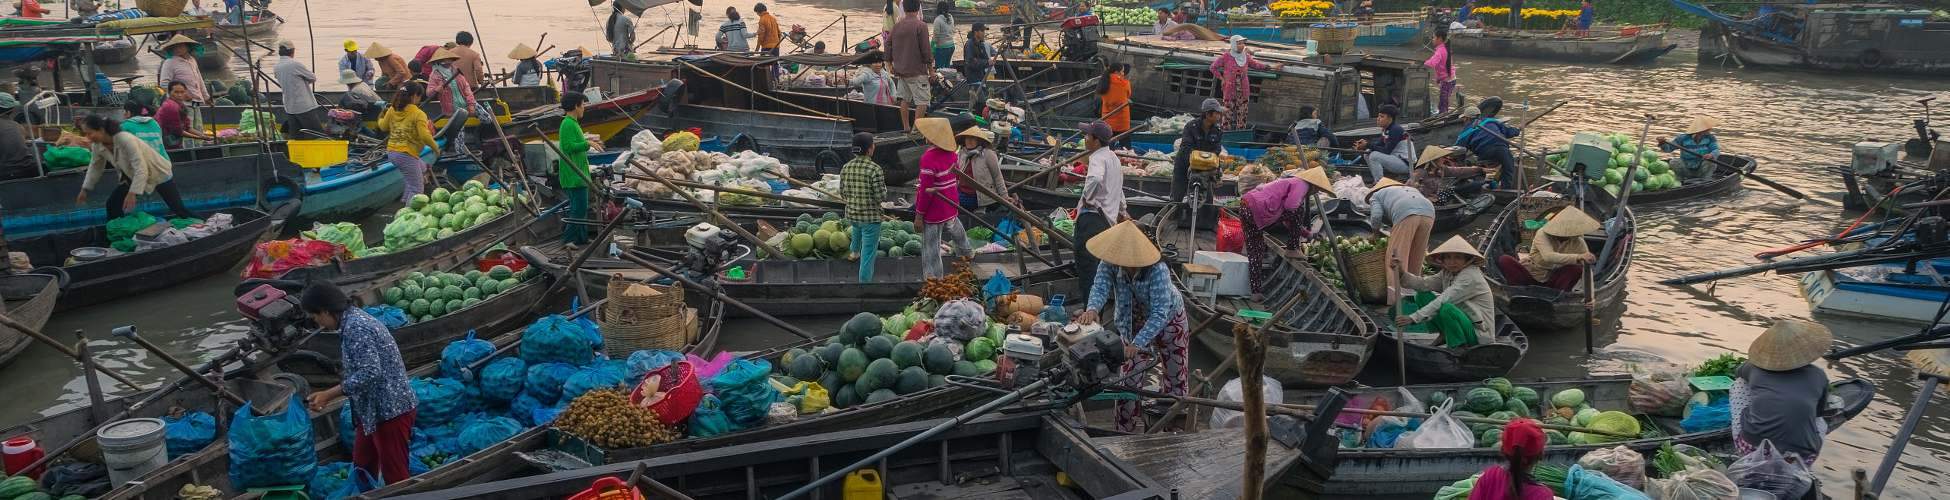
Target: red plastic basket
[676,407]
[608,488]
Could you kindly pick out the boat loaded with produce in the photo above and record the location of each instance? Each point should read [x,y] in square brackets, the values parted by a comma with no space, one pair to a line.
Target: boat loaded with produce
[442,229]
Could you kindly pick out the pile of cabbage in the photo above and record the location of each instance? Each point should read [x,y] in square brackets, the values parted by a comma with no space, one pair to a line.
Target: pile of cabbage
[441,214]
[1164,125]
[1123,16]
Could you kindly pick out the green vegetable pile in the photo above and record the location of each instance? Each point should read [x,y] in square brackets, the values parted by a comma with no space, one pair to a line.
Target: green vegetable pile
[1122,16]
[1653,174]
[874,359]
[425,296]
[1722,365]
[1499,399]
[1320,255]
[828,237]
[432,217]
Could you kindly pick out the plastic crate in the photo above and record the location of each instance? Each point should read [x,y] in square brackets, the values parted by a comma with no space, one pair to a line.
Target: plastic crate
[317,153]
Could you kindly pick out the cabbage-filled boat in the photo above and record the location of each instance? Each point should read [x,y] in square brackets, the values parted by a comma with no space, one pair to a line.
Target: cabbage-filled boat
[1724,179]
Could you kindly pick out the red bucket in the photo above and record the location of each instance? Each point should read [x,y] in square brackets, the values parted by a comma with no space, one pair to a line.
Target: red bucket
[683,399]
[609,488]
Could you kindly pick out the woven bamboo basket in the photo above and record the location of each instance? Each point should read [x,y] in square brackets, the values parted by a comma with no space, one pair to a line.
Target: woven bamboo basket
[1370,274]
[631,324]
[1333,38]
[162,8]
[1533,208]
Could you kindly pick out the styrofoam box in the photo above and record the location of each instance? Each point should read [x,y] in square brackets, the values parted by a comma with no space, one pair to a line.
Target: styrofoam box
[1232,271]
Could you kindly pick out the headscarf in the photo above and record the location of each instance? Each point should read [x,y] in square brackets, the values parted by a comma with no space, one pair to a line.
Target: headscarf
[1238,50]
[1523,441]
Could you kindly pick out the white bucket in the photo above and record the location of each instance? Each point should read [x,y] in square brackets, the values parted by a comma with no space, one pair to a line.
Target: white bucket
[132,448]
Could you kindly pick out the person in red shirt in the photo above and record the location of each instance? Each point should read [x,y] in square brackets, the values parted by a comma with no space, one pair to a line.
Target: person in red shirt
[31,9]
[1523,445]
[1114,96]
[174,117]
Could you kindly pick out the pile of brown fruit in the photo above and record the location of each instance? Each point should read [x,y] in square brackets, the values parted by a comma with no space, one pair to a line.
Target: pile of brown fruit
[606,418]
[958,285]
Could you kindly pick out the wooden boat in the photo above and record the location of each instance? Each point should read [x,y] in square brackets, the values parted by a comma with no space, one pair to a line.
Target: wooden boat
[1175,76]
[1367,472]
[1540,308]
[421,342]
[213,57]
[514,228]
[1323,341]
[1854,37]
[115,52]
[257,23]
[131,273]
[1139,205]
[1723,180]
[1424,358]
[45,204]
[1637,45]
[29,299]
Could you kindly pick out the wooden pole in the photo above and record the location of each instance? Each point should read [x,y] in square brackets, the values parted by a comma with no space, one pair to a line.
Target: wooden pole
[978,219]
[1250,347]
[36,334]
[1027,217]
[746,192]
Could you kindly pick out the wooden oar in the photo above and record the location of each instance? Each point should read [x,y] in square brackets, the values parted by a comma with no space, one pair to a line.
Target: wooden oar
[1796,194]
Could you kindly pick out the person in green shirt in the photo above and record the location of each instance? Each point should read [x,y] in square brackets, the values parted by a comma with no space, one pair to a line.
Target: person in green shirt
[572,172]
[144,127]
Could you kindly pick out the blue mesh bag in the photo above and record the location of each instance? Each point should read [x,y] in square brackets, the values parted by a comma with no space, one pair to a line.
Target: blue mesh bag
[272,450]
[441,400]
[502,379]
[488,431]
[462,353]
[601,375]
[555,339]
[545,380]
[189,433]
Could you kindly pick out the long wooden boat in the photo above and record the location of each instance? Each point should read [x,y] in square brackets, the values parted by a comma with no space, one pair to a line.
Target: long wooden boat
[514,228]
[213,57]
[1541,308]
[29,299]
[1723,180]
[126,274]
[1424,356]
[45,204]
[256,23]
[116,52]
[1852,37]
[421,342]
[1323,341]
[1368,472]
[1643,46]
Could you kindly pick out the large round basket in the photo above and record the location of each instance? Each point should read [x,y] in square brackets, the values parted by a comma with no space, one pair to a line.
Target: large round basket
[162,8]
[1536,208]
[633,323]
[1333,38]
[1370,274]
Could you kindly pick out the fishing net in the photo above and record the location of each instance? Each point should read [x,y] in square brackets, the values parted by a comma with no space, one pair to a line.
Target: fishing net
[556,339]
[271,450]
[545,380]
[188,433]
[745,391]
[463,353]
[501,380]
[523,409]
[441,400]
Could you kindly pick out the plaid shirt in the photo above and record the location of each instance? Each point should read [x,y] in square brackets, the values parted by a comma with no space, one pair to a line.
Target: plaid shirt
[863,187]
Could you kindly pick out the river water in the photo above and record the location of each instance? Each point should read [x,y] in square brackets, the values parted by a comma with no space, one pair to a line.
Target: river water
[1799,125]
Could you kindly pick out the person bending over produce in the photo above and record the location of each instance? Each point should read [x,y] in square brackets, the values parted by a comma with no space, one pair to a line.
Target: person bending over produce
[863,185]
[1392,153]
[1150,313]
[143,169]
[1696,147]
[1488,138]
[1778,394]
[1557,254]
[373,381]
[1410,217]
[1523,445]
[1281,202]
[1463,309]
[935,195]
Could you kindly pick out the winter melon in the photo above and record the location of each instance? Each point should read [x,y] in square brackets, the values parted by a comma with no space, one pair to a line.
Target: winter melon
[853,363]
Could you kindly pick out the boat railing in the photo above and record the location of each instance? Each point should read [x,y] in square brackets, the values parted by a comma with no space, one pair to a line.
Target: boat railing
[1612,31]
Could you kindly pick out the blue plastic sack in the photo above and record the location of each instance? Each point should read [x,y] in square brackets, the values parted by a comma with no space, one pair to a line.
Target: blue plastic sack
[390,316]
[709,418]
[745,392]
[600,375]
[272,450]
[1384,435]
[556,339]
[649,360]
[441,400]
[501,380]
[1707,417]
[1587,485]
[523,407]
[338,480]
[1007,229]
[489,431]
[997,286]
[429,456]
[545,380]
[347,429]
[189,433]
[462,353]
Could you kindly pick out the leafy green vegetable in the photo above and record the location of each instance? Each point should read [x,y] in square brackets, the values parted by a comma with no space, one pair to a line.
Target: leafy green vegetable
[1552,476]
[1722,365]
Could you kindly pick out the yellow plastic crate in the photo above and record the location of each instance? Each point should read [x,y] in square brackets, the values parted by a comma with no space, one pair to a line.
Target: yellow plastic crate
[317,153]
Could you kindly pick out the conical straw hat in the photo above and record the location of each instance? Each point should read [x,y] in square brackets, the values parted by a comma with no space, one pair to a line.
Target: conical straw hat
[177,40]
[1570,223]
[1789,344]
[376,51]
[521,51]
[1460,246]
[443,54]
[937,131]
[1431,153]
[1318,177]
[1124,245]
[1702,124]
[1384,184]
[978,133]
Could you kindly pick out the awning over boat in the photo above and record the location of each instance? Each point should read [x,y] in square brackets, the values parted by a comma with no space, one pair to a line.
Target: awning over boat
[62,32]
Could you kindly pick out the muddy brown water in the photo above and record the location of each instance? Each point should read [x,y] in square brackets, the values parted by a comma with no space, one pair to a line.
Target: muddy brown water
[1799,125]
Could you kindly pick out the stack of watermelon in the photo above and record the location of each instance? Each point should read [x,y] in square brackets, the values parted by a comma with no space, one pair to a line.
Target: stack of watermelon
[1653,174]
[865,364]
[828,237]
[427,296]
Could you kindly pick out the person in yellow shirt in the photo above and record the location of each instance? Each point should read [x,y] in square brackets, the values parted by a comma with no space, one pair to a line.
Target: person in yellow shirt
[407,134]
[769,35]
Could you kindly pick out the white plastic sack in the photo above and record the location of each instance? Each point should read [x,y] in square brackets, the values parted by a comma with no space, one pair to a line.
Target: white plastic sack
[1441,430]
[1767,469]
[646,142]
[1693,484]
[1223,418]
[1353,189]
[1620,463]
[219,222]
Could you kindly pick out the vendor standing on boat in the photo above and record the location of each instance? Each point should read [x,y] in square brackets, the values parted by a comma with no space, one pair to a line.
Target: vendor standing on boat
[1778,393]
[876,84]
[407,134]
[1149,312]
[1233,68]
[1101,203]
[769,34]
[977,60]
[980,165]
[175,119]
[528,68]
[863,186]
[943,34]
[181,67]
[143,169]
[572,171]
[1410,217]
[1445,70]
[936,193]
[1455,301]
[733,34]
[909,49]
[455,93]
[393,72]
[620,30]
[1523,447]
[1114,99]
[356,62]
[1489,139]
[1697,147]
[301,108]
[1557,254]
[1587,14]
[373,383]
[1202,135]
[1282,202]
[1391,155]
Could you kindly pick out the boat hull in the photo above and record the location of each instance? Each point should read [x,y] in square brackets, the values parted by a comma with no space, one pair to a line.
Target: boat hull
[1725,180]
[30,299]
[1854,292]
[1426,363]
[45,204]
[114,277]
[1540,309]
[1638,49]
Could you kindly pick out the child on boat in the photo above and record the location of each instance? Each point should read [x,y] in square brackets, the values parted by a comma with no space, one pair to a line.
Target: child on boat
[1455,302]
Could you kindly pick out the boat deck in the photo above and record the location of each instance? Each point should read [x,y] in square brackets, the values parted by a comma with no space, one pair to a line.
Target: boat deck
[1196,465]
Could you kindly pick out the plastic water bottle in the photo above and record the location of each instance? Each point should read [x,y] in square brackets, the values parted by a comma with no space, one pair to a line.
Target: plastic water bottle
[1053,312]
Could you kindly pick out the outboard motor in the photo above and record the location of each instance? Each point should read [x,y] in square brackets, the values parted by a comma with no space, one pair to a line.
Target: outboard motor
[1080,36]
[710,248]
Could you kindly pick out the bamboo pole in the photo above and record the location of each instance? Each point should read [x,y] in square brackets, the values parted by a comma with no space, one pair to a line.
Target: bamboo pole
[746,192]
[1026,216]
[726,221]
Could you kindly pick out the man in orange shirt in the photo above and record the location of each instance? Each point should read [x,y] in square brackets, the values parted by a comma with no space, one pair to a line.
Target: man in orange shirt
[1114,93]
[769,35]
[32,9]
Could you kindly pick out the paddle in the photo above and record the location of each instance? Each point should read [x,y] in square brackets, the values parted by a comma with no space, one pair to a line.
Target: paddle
[1748,172]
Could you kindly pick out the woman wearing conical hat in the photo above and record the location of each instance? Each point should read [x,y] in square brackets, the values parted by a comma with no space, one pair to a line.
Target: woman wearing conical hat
[1148,311]
[935,194]
[1281,202]
[1557,254]
[1695,147]
[1778,394]
[528,68]
[1455,301]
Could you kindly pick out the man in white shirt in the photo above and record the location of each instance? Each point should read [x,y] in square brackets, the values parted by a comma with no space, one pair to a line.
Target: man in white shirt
[1101,204]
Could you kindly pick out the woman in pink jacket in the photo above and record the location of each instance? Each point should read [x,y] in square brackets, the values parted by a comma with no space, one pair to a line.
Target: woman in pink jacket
[1282,202]
[1235,84]
[1445,70]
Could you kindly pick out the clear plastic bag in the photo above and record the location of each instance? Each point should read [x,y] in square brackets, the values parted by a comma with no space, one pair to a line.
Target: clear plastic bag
[1441,430]
[1223,418]
[1769,470]
[1693,484]
[1660,393]
[1620,463]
